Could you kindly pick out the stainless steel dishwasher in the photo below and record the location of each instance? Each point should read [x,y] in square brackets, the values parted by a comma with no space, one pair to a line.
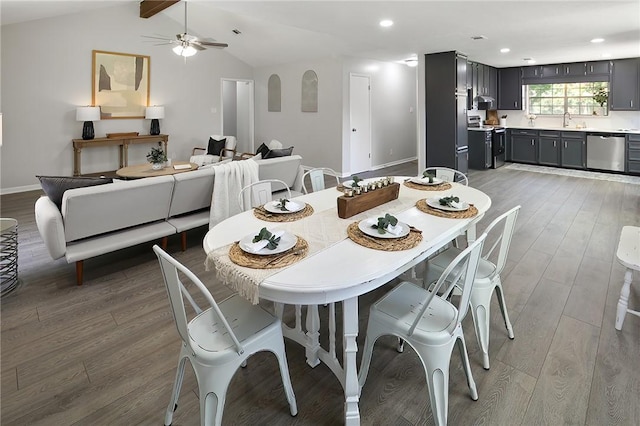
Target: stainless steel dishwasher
[605,151]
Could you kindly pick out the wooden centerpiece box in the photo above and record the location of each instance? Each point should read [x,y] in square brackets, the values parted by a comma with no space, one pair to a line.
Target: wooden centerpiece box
[351,206]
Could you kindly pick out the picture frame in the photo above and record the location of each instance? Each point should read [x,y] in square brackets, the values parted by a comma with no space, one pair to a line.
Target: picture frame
[120,84]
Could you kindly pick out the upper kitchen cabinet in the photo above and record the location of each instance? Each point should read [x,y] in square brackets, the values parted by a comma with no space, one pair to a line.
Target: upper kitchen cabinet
[576,69]
[533,72]
[625,85]
[510,88]
[598,68]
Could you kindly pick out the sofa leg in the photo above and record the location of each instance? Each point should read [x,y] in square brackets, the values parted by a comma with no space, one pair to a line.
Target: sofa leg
[79,271]
[183,240]
[163,243]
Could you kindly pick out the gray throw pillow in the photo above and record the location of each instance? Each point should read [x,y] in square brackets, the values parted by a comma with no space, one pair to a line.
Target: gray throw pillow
[54,186]
[215,147]
[274,153]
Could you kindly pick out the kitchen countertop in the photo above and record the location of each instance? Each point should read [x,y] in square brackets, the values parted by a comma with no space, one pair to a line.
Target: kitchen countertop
[562,129]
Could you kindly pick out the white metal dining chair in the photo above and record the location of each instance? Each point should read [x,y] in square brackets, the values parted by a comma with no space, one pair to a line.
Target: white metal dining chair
[430,324]
[448,175]
[316,176]
[217,340]
[260,192]
[487,279]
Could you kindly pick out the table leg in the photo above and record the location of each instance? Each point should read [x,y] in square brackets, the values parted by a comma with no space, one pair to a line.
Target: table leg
[351,387]
[121,156]
[313,335]
[77,156]
[125,151]
[623,301]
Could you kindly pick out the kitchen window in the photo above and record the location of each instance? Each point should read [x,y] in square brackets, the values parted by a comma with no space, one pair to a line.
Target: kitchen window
[575,98]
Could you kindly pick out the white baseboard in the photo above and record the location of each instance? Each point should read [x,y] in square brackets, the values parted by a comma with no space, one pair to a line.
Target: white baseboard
[16,189]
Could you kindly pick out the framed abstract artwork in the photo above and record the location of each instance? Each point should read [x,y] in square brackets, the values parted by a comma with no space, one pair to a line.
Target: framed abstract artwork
[120,84]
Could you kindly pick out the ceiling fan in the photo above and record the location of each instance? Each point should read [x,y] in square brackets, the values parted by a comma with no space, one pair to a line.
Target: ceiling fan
[187,44]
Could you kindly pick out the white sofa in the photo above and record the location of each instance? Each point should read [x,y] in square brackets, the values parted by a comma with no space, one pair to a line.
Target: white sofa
[104,218]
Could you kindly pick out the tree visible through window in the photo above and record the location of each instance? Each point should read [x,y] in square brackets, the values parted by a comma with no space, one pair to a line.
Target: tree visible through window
[576,98]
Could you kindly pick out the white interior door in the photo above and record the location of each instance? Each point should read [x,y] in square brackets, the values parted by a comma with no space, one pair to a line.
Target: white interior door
[360,123]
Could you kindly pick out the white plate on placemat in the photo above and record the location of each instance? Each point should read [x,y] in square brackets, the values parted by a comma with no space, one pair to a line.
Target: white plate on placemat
[292,207]
[287,241]
[425,181]
[435,203]
[365,227]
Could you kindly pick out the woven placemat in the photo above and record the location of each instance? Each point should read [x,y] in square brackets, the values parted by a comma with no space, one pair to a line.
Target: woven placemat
[424,207]
[273,261]
[262,214]
[385,244]
[440,187]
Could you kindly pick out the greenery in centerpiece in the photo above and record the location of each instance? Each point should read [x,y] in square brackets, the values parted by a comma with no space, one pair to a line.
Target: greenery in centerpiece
[356,179]
[156,156]
[265,234]
[384,222]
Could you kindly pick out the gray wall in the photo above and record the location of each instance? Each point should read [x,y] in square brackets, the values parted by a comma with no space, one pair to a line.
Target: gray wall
[393,111]
[316,136]
[322,138]
[46,74]
[230,106]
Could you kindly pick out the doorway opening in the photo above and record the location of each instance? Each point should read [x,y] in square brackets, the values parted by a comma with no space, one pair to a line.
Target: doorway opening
[238,112]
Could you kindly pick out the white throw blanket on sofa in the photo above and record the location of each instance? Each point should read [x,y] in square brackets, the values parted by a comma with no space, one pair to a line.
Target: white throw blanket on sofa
[229,179]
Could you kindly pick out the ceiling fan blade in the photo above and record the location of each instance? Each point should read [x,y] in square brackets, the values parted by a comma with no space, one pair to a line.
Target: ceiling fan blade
[212,44]
[158,38]
[197,46]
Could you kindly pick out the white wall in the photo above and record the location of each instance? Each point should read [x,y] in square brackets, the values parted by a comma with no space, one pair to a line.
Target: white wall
[243,114]
[230,108]
[393,111]
[46,74]
[316,136]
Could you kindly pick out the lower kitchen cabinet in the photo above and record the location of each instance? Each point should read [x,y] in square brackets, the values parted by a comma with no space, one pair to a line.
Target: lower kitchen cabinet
[633,154]
[574,150]
[524,146]
[549,151]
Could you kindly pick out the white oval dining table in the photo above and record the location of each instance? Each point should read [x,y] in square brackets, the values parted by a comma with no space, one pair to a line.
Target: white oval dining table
[345,270]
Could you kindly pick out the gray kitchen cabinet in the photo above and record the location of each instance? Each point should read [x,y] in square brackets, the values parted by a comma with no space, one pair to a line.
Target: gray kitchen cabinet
[524,146]
[575,69]
[597,67]
[625,85]
[633,154]
[552,70]
[549,148]
[446,110]
[480,157]
[532,72]
[491,80]
[574,150]
[510,88]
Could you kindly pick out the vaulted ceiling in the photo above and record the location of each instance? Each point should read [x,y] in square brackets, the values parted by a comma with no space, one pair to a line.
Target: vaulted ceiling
[273,32]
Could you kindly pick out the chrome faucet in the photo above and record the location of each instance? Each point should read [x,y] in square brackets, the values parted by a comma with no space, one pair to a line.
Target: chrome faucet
[564,119]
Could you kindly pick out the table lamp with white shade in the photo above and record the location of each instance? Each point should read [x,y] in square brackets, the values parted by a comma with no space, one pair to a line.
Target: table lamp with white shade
[154,113]
[88,114]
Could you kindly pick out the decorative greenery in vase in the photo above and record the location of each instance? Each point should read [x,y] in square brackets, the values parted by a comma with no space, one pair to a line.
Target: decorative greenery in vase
[156,157]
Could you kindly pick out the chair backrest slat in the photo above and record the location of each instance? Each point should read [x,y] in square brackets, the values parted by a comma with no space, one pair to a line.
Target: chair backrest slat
[175,289]
[468,261]
[260,193]
[448,175]
[504,239]
[316,176]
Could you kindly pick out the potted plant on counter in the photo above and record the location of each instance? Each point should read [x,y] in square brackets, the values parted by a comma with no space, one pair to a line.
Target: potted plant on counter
[600,96]
[157,158]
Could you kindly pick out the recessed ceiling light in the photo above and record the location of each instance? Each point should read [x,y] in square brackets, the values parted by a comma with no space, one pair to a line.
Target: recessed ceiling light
[505,50]
[597,40]
[386,23]
[529,60]
[412,62]
[606,55]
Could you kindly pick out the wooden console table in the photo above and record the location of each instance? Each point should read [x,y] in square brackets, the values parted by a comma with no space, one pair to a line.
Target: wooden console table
[122,144]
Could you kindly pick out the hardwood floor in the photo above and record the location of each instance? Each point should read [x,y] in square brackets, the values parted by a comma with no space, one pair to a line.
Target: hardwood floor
[105,353]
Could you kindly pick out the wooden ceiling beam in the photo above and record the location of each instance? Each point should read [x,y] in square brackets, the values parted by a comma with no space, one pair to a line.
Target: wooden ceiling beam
[148,8]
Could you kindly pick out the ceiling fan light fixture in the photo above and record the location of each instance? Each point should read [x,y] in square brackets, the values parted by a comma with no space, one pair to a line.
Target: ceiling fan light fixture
[185,51]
